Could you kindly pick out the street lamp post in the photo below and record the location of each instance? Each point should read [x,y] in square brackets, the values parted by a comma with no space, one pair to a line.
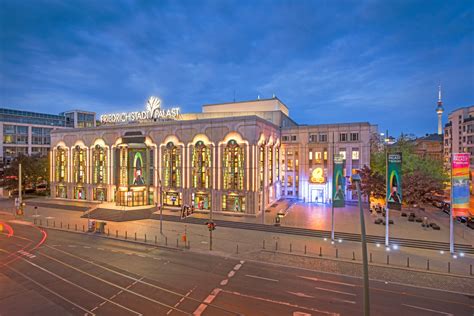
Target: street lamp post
[365,265]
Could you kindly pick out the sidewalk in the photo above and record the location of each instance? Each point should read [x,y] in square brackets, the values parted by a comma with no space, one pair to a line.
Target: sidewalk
[230,242]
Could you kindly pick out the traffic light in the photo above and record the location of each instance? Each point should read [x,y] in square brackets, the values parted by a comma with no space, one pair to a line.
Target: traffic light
[211,226]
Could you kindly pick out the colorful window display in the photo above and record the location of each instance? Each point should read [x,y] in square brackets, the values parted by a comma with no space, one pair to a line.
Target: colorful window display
[79,160]
[172,166]
[61,164]
[233,203]
[99,163]
[201,166]
[233,166]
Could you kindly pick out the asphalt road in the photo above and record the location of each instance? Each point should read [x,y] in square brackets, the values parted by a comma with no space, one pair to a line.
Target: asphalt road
[61,273]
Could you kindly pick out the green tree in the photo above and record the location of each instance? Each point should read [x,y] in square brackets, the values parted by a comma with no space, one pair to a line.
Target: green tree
[35,170]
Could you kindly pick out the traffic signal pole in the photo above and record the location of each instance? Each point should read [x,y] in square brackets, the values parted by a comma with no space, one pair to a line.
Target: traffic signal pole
[19,188]
[210,230]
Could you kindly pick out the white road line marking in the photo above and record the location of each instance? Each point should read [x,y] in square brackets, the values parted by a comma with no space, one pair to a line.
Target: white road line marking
[231,274]
[281,303]
[100,248]
[51,291]
[82,288]
[207,301]
[72,246]
[143,256]
[427,309]
[299,294]
[237,267]
[224,282]
[334,291]
[326,281]
[242,261]
[107,282]
[261,278]
[182,299]
[87,247]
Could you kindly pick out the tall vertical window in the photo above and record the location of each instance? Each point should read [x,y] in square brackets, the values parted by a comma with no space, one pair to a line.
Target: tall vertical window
[270,165]
[172,166]
[277,159]
[61,164]
[233,166]
[123,159]
[79,163]
[99,163]
[261,163]
[201,166]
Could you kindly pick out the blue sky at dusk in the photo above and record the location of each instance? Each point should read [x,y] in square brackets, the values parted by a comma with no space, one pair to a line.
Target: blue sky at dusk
[328,61]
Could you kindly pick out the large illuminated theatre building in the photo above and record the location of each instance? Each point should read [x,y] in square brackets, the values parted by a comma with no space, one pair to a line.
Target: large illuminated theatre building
[232,157]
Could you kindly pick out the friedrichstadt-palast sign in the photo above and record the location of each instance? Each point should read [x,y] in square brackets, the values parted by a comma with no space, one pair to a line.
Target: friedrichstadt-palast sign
[152,112]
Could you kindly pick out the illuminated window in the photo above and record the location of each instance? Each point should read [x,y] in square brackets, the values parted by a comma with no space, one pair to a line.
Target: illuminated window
[310,155]
[325,154]
[277,159]
[61,164]
[79,164]
[261,164]
[99,163]
[355,154]
[342,153]
[233,166]
[317,156]
[172,166]
[201,166]
[270,165]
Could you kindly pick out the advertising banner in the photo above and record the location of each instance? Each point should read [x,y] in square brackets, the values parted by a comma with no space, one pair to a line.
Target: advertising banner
[137,167]
[460,184]
[338,182]
[394,181]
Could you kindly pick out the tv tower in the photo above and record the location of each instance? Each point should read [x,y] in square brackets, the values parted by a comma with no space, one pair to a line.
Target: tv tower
[439,111]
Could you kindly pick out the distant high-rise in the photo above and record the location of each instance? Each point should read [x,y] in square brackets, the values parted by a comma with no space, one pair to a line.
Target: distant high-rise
[439,111]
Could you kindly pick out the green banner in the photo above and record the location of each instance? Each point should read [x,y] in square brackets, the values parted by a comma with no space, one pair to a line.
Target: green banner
[394,181]
[338,182]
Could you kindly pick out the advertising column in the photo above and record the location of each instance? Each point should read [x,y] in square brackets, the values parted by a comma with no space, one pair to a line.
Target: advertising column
[459,191]
[338,183]
[394,188]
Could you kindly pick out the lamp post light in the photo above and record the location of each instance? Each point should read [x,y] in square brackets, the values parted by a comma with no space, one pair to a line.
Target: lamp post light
[356,178]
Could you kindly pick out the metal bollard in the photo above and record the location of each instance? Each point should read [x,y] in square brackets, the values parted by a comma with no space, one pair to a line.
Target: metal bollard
[116,233]
[34,221]
[337,253]
[75,227]
[388,259]
[125,234]
[276,245]
[291,248]
[320,251]
[427,264]
[47,223]
[83,228]
[67,225]
[237,250]
[166,241]
[156,240]
[61,224]
[54,223]
[135,236]
[408,262]
[264,244]
[177,242]
[353,255]
[370,257]
[145,237]
[108,232]
[304,249]
[449,267]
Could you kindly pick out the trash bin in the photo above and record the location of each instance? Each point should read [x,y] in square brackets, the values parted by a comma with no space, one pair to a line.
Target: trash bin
[100,227]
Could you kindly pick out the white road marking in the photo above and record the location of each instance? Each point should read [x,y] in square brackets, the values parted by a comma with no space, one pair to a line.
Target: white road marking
[237,267]
[52,292]
[142,256]
[280,302]
[72,246]
[224,282]
[231,274]
[299,294]
[261,278]
[207,301]
[82,288]
[427,309]
[326,281]
[334,291]
[301,314]
[16,221]
[87,247]
[182,299]
[107,282]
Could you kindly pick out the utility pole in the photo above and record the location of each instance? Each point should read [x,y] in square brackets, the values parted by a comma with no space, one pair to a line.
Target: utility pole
[365,264]
[210,230]
[332,191]
[387,211]
[19,211]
